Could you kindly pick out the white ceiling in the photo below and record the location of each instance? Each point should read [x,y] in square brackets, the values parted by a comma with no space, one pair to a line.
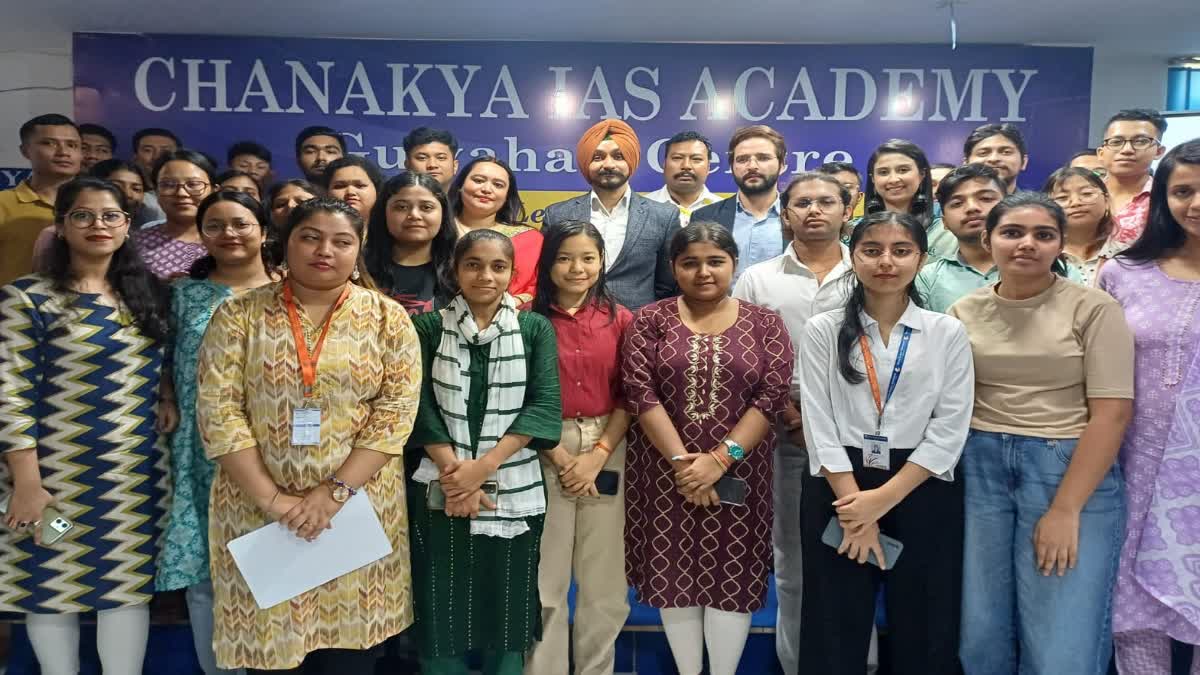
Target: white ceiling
[1158,27]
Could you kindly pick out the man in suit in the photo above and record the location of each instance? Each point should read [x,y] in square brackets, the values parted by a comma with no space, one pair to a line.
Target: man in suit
[636,230]
[756,154]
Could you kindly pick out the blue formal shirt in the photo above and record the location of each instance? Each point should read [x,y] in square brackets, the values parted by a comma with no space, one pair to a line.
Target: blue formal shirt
[757,240]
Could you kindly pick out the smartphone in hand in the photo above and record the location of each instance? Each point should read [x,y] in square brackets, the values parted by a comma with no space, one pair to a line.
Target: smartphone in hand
[54,526]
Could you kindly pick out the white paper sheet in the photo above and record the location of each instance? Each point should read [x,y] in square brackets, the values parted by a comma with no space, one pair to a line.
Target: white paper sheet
[277,565]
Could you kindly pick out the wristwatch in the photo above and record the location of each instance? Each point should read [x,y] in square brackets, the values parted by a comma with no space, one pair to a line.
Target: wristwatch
[736,452]
[341,491]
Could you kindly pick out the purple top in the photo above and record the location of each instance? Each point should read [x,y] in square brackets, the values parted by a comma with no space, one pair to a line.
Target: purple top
[166,256]
[1158,582]
[677,554]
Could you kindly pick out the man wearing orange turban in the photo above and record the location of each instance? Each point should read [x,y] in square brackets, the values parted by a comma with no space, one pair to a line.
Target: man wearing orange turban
[616,131]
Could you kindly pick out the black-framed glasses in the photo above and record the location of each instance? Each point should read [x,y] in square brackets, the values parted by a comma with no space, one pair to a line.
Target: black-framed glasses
[1137,142]
[83,219]
[192,186]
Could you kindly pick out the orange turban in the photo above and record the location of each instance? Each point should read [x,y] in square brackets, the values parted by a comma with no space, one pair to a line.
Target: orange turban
[618,131]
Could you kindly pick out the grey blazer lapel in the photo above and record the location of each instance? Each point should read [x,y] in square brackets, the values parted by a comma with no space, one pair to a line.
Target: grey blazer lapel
[582,208]
[638,218]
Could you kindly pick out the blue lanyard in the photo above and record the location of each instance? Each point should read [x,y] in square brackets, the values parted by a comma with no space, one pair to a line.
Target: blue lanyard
[869,362]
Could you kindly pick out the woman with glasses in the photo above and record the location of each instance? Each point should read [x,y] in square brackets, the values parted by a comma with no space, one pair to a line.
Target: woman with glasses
[82,403]
[233,228]
[1084,198]
[183,179]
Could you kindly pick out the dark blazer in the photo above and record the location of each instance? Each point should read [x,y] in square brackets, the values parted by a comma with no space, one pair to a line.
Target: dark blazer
[641,272]
[722,212]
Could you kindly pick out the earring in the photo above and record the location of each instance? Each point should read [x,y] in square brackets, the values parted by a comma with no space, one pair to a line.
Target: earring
[355,275]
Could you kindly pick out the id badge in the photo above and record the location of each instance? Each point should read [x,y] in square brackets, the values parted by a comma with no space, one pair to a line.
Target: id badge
[306,426]
[877,454]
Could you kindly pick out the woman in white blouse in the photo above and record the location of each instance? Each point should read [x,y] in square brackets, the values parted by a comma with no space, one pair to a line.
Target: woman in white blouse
[886,401]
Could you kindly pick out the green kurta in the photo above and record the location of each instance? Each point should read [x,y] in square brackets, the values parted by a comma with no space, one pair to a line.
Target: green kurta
[479,592]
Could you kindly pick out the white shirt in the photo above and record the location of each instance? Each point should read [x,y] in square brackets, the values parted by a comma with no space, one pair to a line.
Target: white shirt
[930,410]
[612,225]
[663,195]
[789,287]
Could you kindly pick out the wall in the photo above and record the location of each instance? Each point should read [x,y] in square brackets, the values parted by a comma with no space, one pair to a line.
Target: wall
[35,69]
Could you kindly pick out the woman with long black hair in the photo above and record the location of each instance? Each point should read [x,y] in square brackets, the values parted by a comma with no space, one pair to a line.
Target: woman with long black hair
[874,443]
[82,404]
[899,180]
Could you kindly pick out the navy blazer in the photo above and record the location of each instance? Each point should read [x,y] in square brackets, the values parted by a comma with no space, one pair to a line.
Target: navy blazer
[641,272]
[723,212]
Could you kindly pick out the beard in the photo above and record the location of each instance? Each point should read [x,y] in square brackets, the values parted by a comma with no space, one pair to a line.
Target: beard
[768,183]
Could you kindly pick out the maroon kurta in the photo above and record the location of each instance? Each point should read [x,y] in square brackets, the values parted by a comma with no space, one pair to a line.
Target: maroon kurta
[677,554]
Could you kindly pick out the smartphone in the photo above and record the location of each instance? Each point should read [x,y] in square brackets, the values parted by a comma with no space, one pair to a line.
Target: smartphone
[435,498]
[54,526]
[891,548]
[608,482]
[731,490]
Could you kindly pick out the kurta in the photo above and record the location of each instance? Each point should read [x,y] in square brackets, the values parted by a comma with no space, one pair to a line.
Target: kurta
[1164,316]
[480,592]
[678,554]
[79,383]
[165,256]
[368,380]
[184,560]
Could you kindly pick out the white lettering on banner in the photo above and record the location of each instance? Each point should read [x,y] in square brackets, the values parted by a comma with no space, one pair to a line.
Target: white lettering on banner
[641,93]
[973,85]
[754,94]
[140,85]
[217,84]
[839,94]
[739,93]
[804,84]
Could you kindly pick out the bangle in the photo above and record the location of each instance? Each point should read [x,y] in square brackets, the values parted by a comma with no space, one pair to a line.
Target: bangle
[273,498]
[603,446]
[721,460]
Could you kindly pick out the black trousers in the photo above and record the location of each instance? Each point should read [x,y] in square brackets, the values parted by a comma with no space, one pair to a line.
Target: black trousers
[331,662]
[923,589]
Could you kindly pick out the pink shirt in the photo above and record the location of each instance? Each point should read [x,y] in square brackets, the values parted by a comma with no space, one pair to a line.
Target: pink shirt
[1130,221]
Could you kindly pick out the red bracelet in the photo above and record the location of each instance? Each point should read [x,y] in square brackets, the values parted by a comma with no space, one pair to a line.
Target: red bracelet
[721,460]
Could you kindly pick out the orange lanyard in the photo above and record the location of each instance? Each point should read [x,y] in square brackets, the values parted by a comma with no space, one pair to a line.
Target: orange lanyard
[308,363]
[873,379]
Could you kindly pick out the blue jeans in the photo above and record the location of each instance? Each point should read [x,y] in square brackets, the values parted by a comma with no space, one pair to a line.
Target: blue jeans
[1015,620]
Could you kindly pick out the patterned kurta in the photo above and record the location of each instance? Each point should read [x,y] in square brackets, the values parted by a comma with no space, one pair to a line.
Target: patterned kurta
[678,554]
[79,382]
[368,381]
[476,591]
[1164,315]
[184,560]
[166,256]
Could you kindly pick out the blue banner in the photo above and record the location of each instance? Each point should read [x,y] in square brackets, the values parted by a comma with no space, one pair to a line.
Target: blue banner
[528,102]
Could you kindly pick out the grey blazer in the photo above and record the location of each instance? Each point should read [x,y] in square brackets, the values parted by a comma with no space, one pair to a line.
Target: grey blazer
[641,272]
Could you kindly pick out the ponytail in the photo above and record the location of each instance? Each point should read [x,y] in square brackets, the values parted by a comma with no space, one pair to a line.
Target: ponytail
[850,330]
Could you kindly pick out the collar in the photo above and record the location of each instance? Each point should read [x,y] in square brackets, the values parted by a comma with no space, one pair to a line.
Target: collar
[624,202]
[790,259]
[773,211]
[911,318]
[585,312]
[958,260]
[706,197]
[27,195]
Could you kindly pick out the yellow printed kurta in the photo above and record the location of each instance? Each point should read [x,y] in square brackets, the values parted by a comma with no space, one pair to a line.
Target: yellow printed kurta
[368,383]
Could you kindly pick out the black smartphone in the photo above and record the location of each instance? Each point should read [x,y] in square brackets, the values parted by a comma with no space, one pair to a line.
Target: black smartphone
[608,482]
[834,534]
[731,490]
[435,499]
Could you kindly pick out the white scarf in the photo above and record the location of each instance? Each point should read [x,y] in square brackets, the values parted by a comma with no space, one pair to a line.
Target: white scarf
[520,477]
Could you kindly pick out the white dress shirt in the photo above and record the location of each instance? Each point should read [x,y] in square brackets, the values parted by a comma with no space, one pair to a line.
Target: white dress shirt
[789,287]
[663,195]
[930,410]
[612,225]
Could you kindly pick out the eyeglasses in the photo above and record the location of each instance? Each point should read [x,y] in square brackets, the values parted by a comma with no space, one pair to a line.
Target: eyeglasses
[1085,196]
[83,219]
[875,252]
[215,229]
[827,204]
[193,186]
[1137,142]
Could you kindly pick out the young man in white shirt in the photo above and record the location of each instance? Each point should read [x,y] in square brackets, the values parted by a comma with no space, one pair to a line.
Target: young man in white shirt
[799,284]
[687,157]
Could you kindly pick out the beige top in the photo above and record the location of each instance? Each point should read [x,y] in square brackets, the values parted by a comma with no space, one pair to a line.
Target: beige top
[1039,360]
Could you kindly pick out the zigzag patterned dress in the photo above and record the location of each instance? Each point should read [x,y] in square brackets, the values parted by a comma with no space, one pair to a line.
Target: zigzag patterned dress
[79,382]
